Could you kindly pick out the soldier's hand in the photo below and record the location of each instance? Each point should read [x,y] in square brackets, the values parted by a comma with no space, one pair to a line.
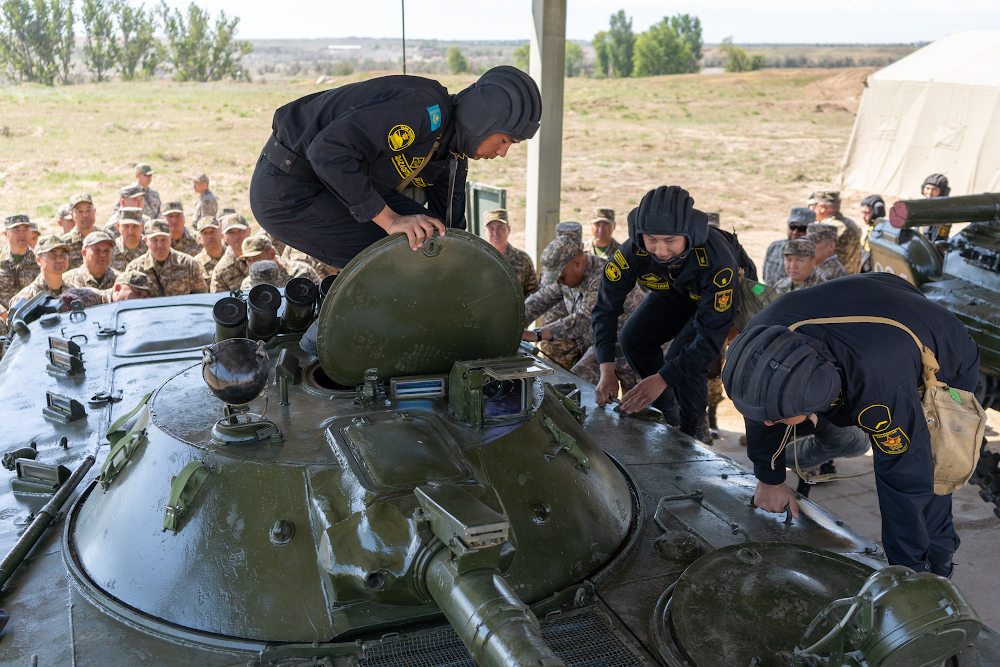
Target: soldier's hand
[416,227]
[775,497]
[643,394]
[607,386]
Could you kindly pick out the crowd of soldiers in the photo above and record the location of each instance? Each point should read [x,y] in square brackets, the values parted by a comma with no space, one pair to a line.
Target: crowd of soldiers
[145,249]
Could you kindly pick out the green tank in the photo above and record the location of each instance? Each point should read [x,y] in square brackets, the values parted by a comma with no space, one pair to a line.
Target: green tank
[192,482]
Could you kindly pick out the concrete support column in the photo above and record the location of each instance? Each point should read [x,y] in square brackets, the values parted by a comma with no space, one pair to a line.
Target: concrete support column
[548,69]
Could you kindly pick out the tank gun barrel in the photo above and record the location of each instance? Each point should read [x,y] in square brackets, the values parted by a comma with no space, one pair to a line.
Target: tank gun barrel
[945,210]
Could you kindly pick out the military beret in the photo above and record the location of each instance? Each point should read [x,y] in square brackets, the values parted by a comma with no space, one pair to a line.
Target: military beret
[800,248]
[156,227]
[132,191]
[827,197]
[801,216]
[557,255]
[12,221]
[49,243]
[130,215]
[200,178]
[233,221]
[264,271]
[713,218]
[78,198]
[134,279]
[817,232]
[255,245]
[205,222]
[93,238]
[603,214]
[496,214]
[572,229]
[65,212]
[173,207]
[144,169]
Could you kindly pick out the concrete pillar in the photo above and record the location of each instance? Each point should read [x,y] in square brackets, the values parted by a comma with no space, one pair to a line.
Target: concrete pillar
[548,69]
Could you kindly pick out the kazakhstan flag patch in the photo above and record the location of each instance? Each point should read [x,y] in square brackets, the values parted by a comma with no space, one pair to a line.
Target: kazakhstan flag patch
[435,115]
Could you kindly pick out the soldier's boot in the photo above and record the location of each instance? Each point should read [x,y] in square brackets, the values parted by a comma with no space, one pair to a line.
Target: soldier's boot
[713,423]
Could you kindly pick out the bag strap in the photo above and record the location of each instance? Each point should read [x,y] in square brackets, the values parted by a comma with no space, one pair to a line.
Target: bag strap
[415,172]
[927,358]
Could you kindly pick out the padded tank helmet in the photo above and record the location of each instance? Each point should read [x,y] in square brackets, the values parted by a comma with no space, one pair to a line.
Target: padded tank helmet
[670,211]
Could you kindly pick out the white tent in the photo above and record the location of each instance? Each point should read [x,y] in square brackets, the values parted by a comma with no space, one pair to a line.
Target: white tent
[935,111]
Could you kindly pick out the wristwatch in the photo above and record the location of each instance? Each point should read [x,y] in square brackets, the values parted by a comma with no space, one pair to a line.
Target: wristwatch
[538,334]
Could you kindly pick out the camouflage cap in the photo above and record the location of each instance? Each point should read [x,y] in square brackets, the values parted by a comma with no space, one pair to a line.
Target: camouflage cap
[227,211]
[572,229]
[496,214]
[800,248]
[264,271]
[132,191]
[65,212]
[205,222]
[173,207]
[78,198]
[233,221]
[156,227]
[33,227]
[817,232]
[49,243]
[603,214]
[812,199]
[801,215]
[134,279]
[713,218]
[130,215]
[93,238]
[200,178]
[12,221]
[557,255]
[144,169]
[255,245]
[827,197]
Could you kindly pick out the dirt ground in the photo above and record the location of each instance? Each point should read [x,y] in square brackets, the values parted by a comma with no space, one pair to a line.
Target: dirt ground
[748,145]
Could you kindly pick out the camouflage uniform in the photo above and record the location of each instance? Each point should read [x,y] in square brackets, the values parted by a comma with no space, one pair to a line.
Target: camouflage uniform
[589,368]
[180,274]
[563,352]
[74,245]
[81,277]
[284,273]
[36,287]
[208,263]
[3,322]
[605,215]
[801,248]
[524,268]
[290,254]
[186,244]
[206,205]
[831,267]
[16,276]
[849,240]
[785,285]
[229,273]
[774,262]
[122,256]
[577,302]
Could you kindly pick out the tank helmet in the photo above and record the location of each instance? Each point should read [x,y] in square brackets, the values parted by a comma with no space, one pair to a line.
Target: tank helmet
[938,181]
[668,211]
[876,204]
[504,99]
[772,373]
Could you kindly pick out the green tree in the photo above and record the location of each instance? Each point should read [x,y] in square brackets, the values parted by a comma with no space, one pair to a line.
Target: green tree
[688,28]
[62,27]
[574,59]
[522,56]
[621,43]
[196,50]
[457,63]
[138,48]
[661,50]
[33,37]
[602,60]
[100,50]
[737,59]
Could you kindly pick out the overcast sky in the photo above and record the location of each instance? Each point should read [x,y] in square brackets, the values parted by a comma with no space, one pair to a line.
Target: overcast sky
[747,21]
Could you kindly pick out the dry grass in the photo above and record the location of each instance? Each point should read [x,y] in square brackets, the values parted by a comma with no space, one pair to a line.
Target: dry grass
[748,145]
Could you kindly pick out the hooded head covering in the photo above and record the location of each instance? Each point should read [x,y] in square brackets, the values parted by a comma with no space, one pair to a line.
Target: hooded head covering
[876,204]
[668,211]
[505,99]
[940,181]
[772,373]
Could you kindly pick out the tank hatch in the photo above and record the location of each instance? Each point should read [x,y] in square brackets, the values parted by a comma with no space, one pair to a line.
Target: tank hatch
[408,312]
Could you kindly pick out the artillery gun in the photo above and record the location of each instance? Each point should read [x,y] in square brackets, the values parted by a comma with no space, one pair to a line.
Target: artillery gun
[421,491]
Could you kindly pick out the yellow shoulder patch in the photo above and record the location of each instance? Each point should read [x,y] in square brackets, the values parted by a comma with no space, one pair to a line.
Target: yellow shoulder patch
[612,272]
[641,253]
[723,277]
[653,281]
[401,137]
[702,256]
[620,259]
[893,442]
[723,300]
[875,418]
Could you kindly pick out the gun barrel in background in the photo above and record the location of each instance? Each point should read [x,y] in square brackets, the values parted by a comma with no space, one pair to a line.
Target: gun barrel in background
[945,210]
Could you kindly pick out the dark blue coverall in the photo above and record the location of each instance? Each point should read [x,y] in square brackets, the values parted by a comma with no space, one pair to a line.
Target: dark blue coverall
[881,376]
[352,146]
[693,304]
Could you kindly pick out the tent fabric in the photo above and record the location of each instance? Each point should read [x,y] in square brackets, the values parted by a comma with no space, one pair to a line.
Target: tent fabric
[934,111]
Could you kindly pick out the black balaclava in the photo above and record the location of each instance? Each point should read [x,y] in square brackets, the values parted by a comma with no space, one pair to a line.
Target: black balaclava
[937,180]
[504,99]
[772,373]
[668,211]
[876,204]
